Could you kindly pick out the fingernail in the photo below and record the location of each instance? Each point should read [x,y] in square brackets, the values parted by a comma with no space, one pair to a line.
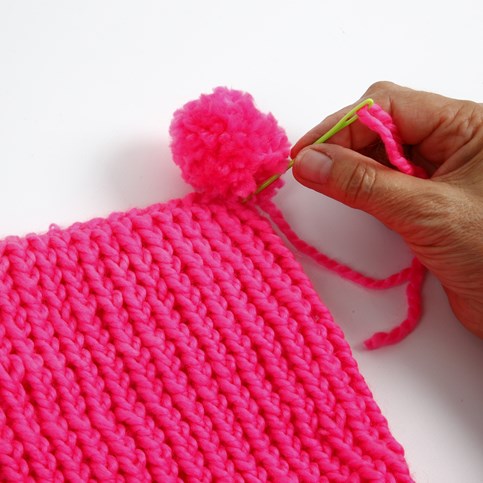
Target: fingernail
[313,166]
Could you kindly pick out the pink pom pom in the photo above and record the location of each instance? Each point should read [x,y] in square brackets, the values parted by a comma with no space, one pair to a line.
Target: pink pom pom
[225,146]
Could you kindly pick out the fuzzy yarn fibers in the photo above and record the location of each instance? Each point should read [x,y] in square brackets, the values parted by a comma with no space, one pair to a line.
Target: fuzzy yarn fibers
[225,146]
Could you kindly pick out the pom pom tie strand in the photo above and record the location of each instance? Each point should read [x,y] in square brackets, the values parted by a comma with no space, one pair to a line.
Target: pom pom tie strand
[376,119]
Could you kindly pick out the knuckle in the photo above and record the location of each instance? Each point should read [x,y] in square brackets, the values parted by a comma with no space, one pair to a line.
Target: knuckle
[467,121]
[360,185]
[380,86]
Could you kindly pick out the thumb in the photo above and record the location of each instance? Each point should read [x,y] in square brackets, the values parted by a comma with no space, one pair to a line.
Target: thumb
[396,199]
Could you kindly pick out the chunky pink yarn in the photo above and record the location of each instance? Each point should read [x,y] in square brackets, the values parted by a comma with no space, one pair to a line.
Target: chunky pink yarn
[414,275]
[376,119]
[181,342]
[381,122]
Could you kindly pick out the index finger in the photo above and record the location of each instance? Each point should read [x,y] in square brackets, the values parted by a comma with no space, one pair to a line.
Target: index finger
[415,113]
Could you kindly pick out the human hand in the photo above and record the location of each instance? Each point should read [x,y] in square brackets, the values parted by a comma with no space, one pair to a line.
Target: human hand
[440,218]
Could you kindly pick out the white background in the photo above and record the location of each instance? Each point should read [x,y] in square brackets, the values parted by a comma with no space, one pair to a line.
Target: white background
[87,90]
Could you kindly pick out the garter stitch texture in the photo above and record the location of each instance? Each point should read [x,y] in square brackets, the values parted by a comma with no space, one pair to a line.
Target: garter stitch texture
[183,342]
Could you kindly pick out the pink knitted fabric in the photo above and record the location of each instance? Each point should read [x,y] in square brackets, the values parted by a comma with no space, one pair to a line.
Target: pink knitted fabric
[181,342]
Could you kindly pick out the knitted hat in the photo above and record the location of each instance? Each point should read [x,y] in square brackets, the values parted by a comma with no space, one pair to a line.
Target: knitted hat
[182,342]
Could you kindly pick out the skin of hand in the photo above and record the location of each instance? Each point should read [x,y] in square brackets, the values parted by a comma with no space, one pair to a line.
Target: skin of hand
[440,218]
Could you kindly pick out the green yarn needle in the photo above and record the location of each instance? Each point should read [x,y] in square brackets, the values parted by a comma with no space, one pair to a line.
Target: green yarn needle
[345,121]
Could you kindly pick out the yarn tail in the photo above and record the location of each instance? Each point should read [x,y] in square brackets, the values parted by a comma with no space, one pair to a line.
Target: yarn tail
[414,301]
[343,270]
[413,274]
[379,121]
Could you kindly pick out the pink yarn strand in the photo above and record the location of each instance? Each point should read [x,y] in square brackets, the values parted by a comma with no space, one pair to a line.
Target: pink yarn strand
[342,270]
[379,121]
[414,298]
